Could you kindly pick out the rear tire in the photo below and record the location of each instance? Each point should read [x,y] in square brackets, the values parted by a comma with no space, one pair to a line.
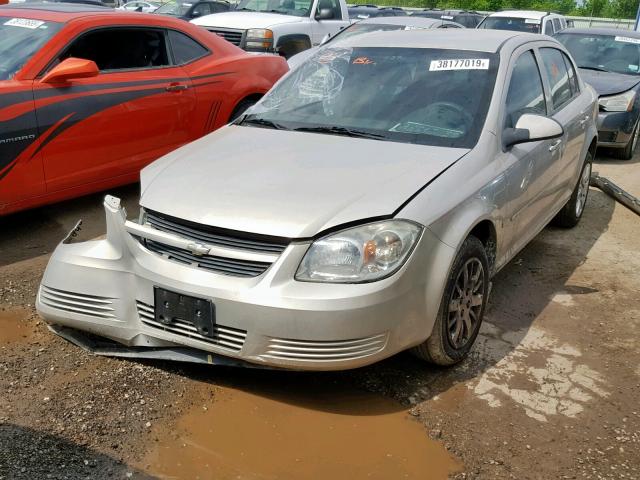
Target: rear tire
[241,108]
[571,213]
[461,308]
[627,152]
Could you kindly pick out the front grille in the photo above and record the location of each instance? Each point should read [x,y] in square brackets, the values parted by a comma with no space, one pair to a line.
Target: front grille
[215,236]
[225,337]
[81,303]
[318,351]
[227,266]
[232,36]
[248,243]
[604,136]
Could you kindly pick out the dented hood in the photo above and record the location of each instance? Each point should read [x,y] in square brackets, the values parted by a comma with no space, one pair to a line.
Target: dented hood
[288,184]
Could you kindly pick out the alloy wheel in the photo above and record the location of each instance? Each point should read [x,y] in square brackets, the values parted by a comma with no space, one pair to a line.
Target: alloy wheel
[583,189]
[465,305]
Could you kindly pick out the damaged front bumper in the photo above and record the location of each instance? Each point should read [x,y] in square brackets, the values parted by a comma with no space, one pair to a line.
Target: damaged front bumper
[106,288]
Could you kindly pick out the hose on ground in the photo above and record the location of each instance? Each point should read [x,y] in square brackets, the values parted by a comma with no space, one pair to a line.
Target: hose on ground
[615,192]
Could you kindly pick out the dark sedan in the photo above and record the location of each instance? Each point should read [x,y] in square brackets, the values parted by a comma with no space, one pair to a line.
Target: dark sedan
[609,60]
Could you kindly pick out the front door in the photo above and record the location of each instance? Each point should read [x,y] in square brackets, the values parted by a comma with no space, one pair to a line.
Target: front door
[137,109]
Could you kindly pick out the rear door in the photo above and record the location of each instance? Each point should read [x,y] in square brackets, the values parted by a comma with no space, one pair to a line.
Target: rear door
[571,108]
[137,109]
[524,163]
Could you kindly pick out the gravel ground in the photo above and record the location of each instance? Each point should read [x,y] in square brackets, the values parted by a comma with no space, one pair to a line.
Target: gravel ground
[550,391]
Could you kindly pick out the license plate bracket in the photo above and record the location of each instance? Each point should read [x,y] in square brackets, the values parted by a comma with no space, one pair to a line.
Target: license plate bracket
[172,306]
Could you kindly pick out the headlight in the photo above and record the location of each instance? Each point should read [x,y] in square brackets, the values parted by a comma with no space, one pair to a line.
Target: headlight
[361,254]
[259,39]
[618,103]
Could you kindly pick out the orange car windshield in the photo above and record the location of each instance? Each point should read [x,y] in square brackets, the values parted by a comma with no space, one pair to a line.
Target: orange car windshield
[20,38]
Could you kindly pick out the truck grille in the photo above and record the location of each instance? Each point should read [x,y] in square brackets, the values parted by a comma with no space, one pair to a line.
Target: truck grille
[231,36]
[225,337]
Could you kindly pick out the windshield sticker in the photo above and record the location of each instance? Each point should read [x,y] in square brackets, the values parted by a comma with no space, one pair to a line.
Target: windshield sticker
[363,61]
[459,64]
[532,20]
[633,68]
[628,40]
[24,23]
[446,17]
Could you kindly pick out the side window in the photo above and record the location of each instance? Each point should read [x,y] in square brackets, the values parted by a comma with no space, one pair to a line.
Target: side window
[121,48]
[548,27]
[525,94]
[563,23]
[334,6]
[558,76]
[556,24]
[202,9]
[185,49]
[573,78]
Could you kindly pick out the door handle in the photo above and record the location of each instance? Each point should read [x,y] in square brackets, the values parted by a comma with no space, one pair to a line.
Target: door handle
[176,87]
[584,120]
[555,145]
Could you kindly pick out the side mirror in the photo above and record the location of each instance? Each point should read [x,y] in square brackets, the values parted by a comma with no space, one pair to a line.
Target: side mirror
[531,128]
[139,9]
[325,39]
[196,14]
[324,14]
[70,69]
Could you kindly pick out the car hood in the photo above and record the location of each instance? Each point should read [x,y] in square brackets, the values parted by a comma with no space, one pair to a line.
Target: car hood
[244,20]
[288,184]
[609,83]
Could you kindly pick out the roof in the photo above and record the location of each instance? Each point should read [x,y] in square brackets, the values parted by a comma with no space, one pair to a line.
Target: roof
[454,39]
[56,7]
[403,20]
[533,14]
[602,31]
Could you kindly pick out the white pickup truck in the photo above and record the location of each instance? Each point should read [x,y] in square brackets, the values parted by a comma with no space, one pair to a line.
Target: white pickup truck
[285,27]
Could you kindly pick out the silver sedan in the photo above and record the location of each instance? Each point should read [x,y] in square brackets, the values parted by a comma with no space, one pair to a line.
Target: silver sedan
[360,209]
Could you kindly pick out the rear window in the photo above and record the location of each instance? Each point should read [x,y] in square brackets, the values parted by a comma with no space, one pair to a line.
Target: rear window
[529,25]
[20,39]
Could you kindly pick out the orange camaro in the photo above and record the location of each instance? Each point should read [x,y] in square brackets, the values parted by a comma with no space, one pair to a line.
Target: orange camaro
[89,95]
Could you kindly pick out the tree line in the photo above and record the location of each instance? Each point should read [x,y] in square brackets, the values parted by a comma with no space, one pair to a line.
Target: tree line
[590,8]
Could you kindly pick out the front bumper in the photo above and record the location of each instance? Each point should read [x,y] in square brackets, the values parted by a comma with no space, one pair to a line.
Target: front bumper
[615,128]
[105,287]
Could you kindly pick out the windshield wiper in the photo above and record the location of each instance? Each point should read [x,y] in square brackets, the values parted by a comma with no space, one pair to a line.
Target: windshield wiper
[263,123]
[348,132]
[245,9]
[597,69]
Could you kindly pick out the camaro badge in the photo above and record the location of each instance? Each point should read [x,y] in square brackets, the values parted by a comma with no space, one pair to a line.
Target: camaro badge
[21,138]
[198,249]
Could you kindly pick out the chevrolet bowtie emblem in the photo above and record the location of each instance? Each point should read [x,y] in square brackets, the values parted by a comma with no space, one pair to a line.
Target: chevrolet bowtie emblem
[198,249]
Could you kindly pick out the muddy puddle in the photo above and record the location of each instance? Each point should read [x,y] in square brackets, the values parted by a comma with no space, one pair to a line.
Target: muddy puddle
[307,434]
[13,326]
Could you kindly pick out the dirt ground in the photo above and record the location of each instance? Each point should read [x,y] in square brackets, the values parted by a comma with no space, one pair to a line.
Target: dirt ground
[550,391]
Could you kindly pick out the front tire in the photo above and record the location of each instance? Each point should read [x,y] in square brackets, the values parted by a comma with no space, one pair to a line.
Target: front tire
[571,213]
[627,152]
[461,308]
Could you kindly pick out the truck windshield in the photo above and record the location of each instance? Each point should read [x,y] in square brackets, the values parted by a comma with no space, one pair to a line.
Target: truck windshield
[298,8]
[20,38]
[613,53]
[529,25]
[410,95]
